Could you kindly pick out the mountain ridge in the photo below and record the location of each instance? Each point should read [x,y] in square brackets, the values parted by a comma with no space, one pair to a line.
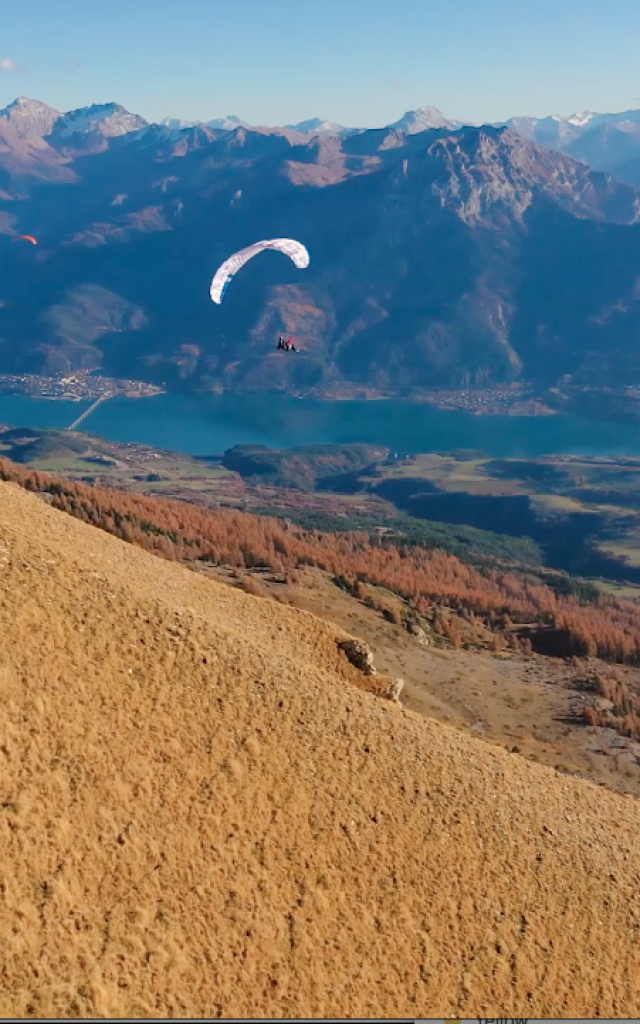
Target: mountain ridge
[440,258]
[427,116]
[606,141]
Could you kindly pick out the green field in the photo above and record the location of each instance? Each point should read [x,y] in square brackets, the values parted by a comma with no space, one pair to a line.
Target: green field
[599,497]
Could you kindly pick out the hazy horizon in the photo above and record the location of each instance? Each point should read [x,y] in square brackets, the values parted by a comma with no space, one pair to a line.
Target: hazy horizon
[222,114]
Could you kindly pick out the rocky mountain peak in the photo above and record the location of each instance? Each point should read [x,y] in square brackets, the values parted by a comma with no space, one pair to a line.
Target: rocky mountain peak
[486,173]
[228,123]
[421,119]
[107,119]
[30,119]
[318,126]
[581,118]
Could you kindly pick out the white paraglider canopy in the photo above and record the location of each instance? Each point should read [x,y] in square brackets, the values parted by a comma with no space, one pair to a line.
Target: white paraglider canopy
[224,274]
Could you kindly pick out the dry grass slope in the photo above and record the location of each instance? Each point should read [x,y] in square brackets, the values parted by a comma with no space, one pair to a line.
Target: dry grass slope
[201,814]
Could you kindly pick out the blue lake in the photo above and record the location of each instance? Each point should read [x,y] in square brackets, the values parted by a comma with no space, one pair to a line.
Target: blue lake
[207,425]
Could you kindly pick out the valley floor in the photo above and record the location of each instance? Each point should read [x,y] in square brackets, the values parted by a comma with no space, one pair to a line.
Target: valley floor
[533,705]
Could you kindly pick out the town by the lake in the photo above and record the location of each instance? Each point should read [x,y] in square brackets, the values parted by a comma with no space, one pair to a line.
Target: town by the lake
[80,386]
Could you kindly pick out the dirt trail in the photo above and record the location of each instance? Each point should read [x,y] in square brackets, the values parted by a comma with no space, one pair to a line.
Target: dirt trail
[202,814]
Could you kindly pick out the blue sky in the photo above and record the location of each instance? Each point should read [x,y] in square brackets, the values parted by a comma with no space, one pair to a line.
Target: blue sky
[360,62]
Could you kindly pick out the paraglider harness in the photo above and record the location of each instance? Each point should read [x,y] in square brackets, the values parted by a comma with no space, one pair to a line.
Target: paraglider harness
[286,346]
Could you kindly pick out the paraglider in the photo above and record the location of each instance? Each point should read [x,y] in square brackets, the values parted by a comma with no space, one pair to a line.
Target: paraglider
[286,346]
[26,238]
[225,274]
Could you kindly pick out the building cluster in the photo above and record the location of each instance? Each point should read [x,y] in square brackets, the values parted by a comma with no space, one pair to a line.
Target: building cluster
[78,386]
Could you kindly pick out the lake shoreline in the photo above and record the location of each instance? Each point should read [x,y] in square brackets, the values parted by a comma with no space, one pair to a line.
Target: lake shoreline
[600,404]
[203,425]
[515,400]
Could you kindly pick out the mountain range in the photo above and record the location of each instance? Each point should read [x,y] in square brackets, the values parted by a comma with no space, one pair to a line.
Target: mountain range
[606,142]
[441,254]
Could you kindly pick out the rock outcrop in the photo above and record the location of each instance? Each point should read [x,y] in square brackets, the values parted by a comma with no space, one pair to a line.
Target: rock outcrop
[359,654]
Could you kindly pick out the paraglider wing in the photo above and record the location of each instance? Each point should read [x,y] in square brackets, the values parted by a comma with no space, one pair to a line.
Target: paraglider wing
[26,238]
[226,284]
[225,274]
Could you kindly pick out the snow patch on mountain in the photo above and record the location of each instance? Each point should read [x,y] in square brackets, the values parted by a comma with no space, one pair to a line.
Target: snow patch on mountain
[581,119]
[175,123]
[228,123]
[318,126]
[108,119]
[423,118]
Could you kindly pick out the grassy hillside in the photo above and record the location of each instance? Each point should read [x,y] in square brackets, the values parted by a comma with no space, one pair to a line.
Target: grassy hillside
[227,825]
[583,512]
[303,468]
[278,483]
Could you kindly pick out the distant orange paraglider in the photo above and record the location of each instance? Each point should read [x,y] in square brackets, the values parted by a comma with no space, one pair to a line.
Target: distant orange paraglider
[27,238]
